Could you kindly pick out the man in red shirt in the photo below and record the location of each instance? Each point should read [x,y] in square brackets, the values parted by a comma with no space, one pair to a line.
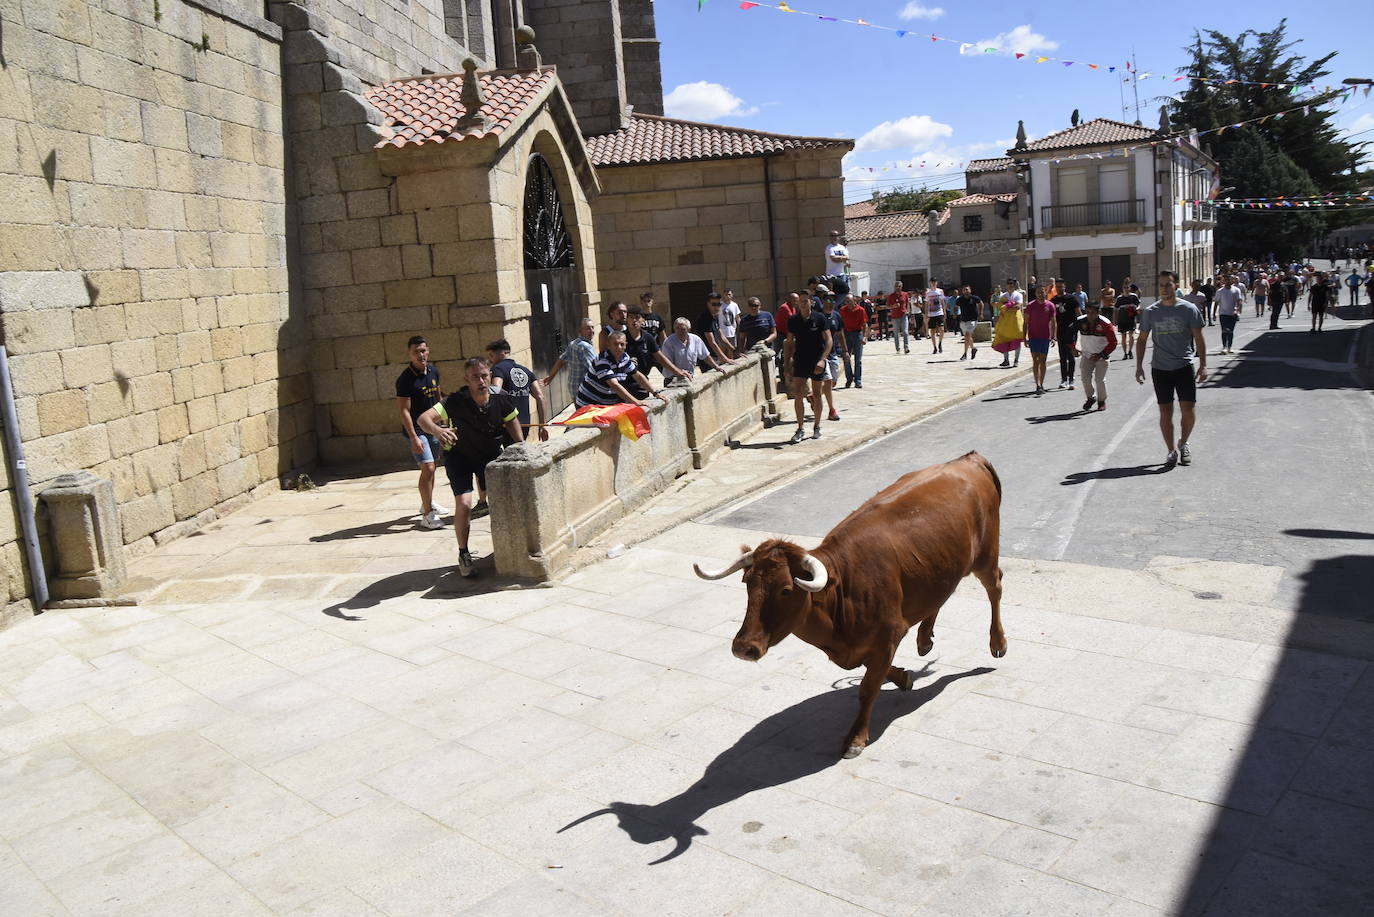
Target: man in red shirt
[855,318]
[899,305]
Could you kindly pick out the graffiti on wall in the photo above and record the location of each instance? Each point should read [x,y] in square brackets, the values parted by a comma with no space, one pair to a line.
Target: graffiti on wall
[952,250]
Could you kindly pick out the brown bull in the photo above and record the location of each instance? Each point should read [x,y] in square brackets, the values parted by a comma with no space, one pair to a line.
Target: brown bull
[889,565]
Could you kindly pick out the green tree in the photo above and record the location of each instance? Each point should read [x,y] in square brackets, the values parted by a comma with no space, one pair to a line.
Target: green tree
[1298,153]
[913,198]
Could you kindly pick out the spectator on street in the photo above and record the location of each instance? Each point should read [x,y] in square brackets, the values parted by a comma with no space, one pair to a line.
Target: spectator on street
[686,351]
[970,310]
[756,326]
[418,390]
[855,319]
[729,320]
[616,314]
[519,382]
[640,344]
[577,357]
[710,325]
[653,322]
[898,307]
[835,325]
[804,355]
[605,382]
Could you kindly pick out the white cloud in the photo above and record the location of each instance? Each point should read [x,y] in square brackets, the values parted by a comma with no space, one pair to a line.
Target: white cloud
[939,165]
[703,101]
[1364,122]
[909,132]
[918,11]
[1020,40]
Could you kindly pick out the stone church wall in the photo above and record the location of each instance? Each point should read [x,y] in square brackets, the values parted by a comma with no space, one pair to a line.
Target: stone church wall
[143,258]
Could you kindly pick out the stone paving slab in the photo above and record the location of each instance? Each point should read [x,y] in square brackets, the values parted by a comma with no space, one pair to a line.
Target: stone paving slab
[419,751]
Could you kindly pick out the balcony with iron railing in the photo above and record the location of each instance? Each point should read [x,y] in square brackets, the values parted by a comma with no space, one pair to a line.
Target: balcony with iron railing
[1199,212]
[1092,216]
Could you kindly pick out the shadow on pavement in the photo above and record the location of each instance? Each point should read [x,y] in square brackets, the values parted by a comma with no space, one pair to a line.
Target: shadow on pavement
[1051,418]
[434,583]
[794,743]
[1295,831]
[1310,362]
[1130,471]
[406,523]
[1329,533]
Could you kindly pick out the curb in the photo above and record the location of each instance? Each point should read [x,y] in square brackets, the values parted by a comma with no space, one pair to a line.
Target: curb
[595,550]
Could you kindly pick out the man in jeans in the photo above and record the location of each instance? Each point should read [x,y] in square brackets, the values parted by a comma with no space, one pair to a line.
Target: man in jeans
[855,320]
[1176,326]
[898,309]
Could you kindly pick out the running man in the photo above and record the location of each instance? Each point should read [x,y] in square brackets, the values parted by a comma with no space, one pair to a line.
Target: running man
[478,421]
[934,310]
[970,309]
[1096,341]
[1176,326]
[1040,334]
[804,357]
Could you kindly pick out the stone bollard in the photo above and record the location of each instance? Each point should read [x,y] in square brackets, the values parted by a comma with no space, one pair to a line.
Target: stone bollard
[982,332]
[84,529]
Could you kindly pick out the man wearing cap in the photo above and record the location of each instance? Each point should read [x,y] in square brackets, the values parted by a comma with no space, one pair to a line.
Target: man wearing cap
[653,322]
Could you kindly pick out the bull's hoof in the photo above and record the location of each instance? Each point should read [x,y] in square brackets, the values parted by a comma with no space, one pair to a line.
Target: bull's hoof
[853,751]
[923,649]
[909,681]
[999,651]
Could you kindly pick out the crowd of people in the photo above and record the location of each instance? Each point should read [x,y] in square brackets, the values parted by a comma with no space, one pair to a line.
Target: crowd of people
[819,333]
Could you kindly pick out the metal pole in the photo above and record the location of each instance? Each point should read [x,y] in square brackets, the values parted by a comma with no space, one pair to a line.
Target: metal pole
[19,474]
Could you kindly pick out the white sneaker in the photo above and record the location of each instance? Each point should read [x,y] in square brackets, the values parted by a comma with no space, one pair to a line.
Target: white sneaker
[1185,455]
[441,510]
[1172,458]
[431,520]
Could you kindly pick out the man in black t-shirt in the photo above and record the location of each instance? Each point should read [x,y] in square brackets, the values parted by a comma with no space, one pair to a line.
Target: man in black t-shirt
[643,347]
[1066,326]
[519,382]
[804,356]
[653,322]
[969,308]
[417,390]
[472,424]
[1321,295]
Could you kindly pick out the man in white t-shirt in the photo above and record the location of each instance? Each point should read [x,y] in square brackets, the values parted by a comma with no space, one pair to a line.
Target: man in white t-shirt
[729,316]
[1228,298]
[837,263]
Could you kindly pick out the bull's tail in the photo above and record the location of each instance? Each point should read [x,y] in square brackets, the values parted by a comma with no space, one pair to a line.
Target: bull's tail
[976,457]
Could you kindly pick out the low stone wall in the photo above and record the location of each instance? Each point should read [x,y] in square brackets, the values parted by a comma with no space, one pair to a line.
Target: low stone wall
[550,498]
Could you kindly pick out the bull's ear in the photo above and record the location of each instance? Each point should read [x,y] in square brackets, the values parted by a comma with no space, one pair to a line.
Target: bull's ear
[745,549]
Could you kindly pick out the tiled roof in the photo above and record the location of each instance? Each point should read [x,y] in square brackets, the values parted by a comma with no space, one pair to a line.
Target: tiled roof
[972,200]
[901,224]
[989,165]
[427,109]
[1097,132]
[860,209]
[650,138]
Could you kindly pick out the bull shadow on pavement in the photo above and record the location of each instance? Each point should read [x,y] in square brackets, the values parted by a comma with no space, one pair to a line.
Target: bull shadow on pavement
[802,740]
[1294,829]
[1303,361]
[1052,418]
[433,584]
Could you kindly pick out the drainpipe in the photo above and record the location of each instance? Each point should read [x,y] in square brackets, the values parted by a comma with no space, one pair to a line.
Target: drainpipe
[772,232]
[19,474]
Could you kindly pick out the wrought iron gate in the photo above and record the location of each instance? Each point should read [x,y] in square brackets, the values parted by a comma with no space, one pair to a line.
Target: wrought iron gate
[551,282]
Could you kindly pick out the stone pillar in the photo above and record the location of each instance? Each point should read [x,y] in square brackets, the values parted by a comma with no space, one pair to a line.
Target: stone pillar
[85,533]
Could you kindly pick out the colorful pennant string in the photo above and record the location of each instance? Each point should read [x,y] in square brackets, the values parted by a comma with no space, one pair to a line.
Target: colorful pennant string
[966,47]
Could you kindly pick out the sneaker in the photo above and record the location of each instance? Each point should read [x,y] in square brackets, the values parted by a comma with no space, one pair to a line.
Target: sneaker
[834,415]
[975,351]
[1070,385]
[963,358]
[908,350]
[1088,405]
[1063,385]
[816,433]
[441,510]
[858,385]
[1004,365]
[797,437]
[431,520]
[848,384]
[465,565]
[1185,455]
[481,509]
[1172,458]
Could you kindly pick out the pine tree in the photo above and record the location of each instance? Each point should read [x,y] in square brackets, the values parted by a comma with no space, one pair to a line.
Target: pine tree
[1297,153]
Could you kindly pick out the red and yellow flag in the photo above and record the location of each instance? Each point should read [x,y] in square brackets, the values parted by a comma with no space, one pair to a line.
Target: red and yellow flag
[630,419]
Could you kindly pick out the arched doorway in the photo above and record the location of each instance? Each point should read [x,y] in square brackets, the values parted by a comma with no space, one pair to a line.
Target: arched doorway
[551,277]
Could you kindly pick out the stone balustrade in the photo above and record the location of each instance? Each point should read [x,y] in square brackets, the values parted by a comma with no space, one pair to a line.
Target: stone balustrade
[550,498]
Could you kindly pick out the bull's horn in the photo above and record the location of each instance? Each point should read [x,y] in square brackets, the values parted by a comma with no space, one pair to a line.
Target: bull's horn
[817,578]
[743,561]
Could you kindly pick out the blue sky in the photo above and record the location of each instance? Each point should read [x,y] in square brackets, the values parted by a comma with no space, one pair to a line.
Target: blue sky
[908,98]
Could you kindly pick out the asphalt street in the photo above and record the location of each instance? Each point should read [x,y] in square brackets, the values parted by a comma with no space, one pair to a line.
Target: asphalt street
[1282,460]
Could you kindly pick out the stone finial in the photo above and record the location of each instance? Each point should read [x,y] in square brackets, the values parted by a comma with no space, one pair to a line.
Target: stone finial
[1020,135]
[526,54]
[1164,119]
[473,99]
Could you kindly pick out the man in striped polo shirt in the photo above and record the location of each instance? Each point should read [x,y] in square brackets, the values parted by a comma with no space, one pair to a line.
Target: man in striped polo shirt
[605,381]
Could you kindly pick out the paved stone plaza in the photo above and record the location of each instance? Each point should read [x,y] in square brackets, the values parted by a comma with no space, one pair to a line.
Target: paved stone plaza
[308,712]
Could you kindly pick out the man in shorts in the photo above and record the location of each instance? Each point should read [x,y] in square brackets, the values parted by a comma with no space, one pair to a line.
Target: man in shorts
[472,424]
[1125,307]
[418,390]
[970,309]
[804,357]
[1319,297]
[1176,326]
[835,324]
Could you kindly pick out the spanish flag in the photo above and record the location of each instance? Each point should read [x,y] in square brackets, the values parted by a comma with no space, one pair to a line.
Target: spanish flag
[629,418]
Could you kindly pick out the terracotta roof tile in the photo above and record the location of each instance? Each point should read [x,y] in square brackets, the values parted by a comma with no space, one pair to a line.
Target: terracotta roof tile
[427,109]
[901,224]
[650,138]
[860,209]
[989,165]
[972,200]
[1097,132]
